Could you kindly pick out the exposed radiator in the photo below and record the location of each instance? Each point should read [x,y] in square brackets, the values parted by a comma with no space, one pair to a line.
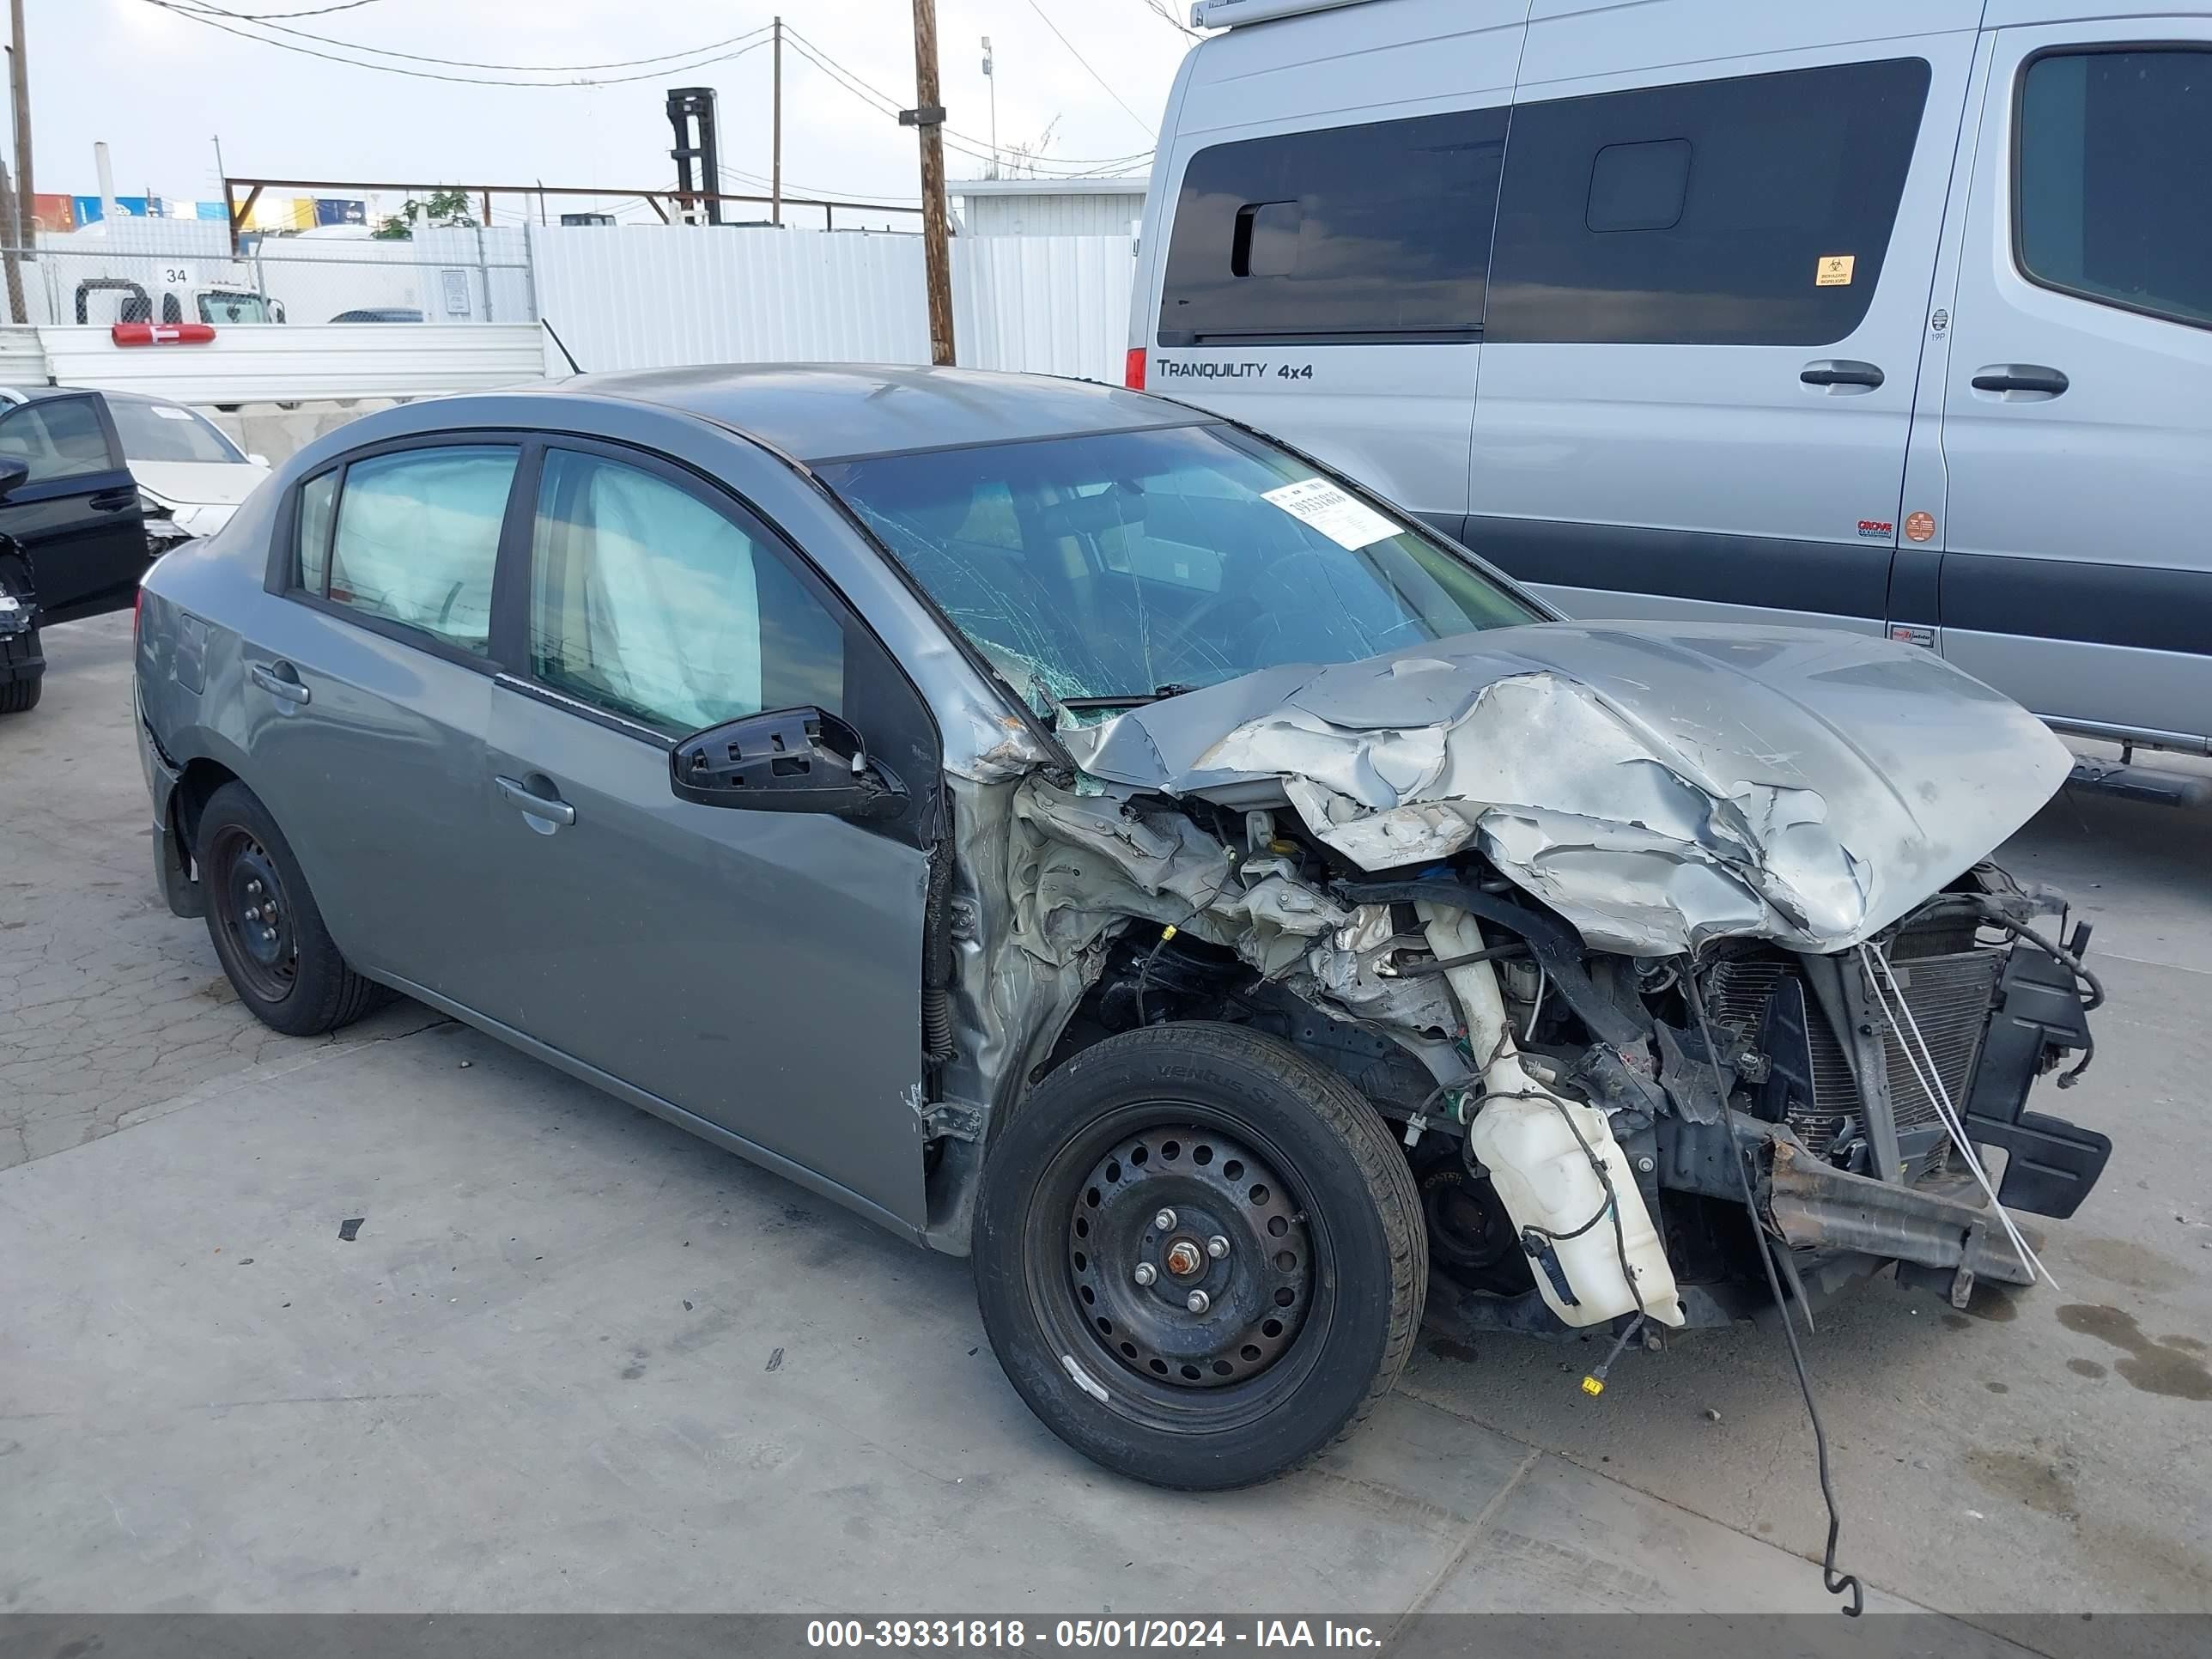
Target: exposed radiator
[1950,995]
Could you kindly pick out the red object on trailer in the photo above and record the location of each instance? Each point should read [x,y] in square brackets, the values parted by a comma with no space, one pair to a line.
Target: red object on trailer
[138,334]
[1132,369]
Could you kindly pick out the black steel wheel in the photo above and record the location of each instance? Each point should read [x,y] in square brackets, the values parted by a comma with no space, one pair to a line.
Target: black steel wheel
[1198,1254]
[267,933]
[248,902]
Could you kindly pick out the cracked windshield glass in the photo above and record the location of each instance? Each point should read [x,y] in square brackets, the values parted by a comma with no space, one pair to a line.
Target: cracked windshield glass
[1118,567]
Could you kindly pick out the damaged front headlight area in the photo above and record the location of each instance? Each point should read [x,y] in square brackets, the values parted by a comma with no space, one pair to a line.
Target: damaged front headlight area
[1584,1125]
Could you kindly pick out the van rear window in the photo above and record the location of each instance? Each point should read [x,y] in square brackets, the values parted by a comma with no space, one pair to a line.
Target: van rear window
[1372,233]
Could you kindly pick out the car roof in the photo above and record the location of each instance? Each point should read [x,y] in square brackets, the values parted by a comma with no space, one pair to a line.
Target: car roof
[823,412]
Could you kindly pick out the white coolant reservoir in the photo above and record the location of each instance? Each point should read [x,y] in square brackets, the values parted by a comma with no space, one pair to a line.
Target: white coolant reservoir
[1526,1137]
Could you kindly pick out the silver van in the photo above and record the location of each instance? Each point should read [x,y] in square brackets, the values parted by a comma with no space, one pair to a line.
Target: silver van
[1894,317]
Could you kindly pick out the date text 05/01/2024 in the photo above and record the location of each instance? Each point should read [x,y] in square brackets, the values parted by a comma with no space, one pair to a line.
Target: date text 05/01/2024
[1069,1634]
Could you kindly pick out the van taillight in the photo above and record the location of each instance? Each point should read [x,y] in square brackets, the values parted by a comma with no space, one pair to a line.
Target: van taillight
[1133,375]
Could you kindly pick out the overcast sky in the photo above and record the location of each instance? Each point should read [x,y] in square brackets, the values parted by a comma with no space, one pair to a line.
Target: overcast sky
[159,86]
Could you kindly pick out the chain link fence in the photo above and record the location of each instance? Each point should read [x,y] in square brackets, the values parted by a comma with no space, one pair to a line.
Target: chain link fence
[192,276]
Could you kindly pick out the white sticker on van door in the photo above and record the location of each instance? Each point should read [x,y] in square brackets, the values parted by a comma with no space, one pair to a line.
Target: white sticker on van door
[1348,523]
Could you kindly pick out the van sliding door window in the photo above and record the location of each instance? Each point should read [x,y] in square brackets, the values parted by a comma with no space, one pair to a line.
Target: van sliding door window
[1364,235]
[1753,211]
[2103,137]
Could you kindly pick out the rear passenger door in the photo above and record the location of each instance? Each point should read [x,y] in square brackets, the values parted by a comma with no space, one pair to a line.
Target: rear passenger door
[77,517]
[1324,282]
[1707,304]
[2076,570]
[366,697]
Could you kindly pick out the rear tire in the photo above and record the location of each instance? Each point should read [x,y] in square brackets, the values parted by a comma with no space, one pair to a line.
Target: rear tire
[268,934]
[1269,1315]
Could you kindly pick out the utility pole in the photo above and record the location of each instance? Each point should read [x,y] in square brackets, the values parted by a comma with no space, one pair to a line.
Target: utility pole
[775,138]
[10,256]
[18,87]
[928,116]
[994,80]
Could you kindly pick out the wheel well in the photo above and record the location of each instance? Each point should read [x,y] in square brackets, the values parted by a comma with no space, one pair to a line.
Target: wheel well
[196,786]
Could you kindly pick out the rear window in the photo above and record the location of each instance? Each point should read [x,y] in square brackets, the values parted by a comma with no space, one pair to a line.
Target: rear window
[1370,233]
[155,431]
[1752,211]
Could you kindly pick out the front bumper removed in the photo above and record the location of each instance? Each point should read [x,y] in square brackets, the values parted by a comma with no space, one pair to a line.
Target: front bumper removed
[1817,1207]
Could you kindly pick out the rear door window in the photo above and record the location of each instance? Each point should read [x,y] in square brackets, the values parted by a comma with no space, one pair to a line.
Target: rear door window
[2104,138]
[1367,234]
[418,535]
[1751,211]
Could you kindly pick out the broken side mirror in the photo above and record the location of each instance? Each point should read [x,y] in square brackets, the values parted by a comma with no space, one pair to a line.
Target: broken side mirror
[790,760]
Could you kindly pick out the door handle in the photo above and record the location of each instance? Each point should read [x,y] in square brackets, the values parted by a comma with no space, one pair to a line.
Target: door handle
[114,501]
[281,680]
[552,810]
[2021,377]
[1841,372]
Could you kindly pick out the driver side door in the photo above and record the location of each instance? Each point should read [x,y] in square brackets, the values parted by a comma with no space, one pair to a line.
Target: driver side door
[755,975]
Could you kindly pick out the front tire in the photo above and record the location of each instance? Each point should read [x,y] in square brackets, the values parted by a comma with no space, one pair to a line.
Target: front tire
[20,697]
[1199,1256]
[268,934]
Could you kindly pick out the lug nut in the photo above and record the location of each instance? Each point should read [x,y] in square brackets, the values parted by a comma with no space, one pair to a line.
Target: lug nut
[1164,1220]
[1217,1247]
[1146,1272]
[1198,1301]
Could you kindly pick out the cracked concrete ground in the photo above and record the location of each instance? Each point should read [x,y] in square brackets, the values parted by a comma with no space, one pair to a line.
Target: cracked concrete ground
[577,1359]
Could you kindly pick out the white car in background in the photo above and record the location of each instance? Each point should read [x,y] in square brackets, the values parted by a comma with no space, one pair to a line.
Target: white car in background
[191,474]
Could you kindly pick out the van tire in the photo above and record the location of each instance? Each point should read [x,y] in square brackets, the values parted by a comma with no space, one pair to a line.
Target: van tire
[1251,1146]
[296,982]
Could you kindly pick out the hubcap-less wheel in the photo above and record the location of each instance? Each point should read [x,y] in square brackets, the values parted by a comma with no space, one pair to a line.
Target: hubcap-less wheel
[1229,1260]
[255,915]
[1121,1270]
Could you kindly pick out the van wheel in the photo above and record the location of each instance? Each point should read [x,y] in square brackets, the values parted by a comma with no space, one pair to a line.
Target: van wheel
[1199,1256]
[271,938]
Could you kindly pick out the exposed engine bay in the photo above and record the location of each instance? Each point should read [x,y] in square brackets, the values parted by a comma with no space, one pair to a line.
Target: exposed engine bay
[1664,949]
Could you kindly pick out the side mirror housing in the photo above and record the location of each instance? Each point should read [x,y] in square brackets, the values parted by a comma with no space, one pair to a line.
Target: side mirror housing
[789,760]
[13,472]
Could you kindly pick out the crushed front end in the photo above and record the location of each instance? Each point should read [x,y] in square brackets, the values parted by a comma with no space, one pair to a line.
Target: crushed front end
[1675,955]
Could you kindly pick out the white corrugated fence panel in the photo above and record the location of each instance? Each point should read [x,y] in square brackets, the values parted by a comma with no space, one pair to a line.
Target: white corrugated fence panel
[624,296]
[23,359]
[653,296]
[1044,305]
[267,364]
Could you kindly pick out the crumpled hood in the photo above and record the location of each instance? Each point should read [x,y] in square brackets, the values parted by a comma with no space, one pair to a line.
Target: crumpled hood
[1657,784]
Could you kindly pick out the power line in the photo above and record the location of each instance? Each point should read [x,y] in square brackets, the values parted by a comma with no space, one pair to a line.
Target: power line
[1045,18]
[884,104]
[197,8]
[317,11]
[465,79]
[835,195]
[1159,8]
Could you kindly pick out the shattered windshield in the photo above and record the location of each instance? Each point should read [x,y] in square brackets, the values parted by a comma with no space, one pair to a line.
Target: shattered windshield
[1119,566]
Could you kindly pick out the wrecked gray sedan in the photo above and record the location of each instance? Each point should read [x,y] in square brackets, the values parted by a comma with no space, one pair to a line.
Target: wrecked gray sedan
[1071,830]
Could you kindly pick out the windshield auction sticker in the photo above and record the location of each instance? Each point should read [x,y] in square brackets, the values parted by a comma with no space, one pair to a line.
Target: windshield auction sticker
[1350,524]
